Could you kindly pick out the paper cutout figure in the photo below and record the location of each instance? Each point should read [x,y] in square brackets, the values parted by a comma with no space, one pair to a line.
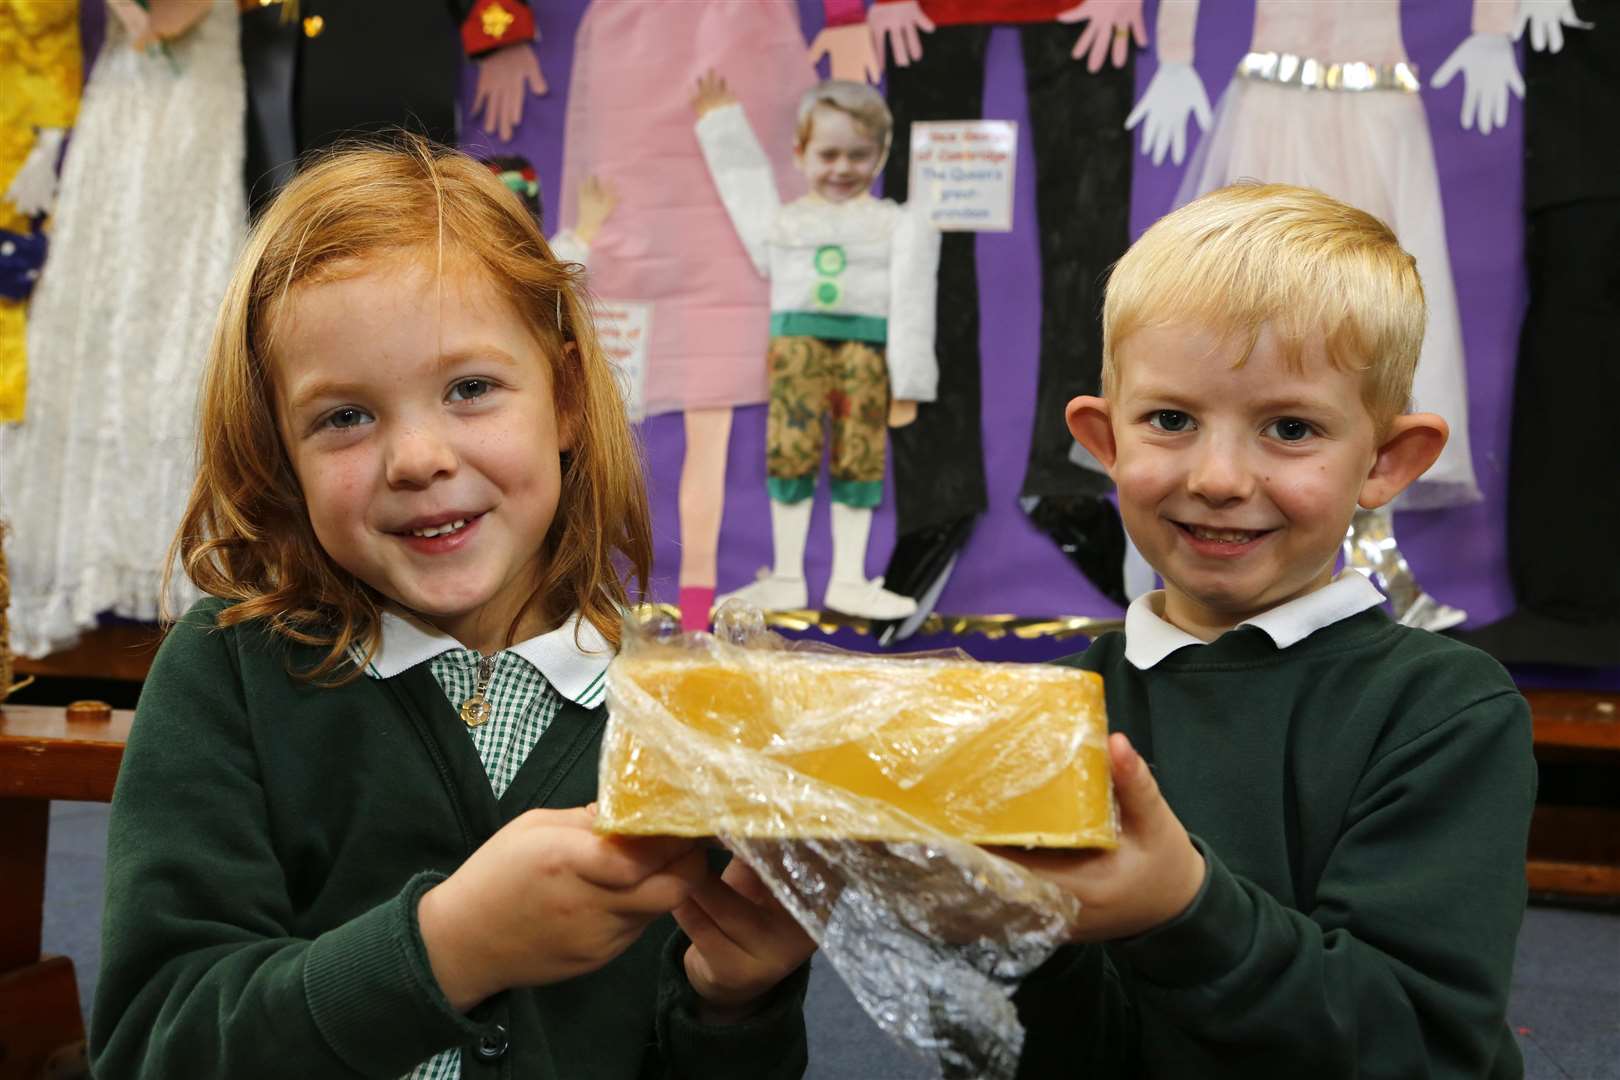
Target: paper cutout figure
[1327,98]
[149,220]
[41,44]
[1563,503]
[1362,137]
[852,315]
[1083,180]
[670,244]
[341,68]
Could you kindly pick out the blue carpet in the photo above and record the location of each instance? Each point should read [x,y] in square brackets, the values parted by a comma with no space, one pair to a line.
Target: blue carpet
[1565,1005]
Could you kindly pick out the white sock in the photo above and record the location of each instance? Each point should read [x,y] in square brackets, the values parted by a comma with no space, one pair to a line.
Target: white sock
[851,526]
[790,524]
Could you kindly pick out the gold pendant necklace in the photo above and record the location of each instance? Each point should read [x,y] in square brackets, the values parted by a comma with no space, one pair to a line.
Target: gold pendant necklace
[475,710]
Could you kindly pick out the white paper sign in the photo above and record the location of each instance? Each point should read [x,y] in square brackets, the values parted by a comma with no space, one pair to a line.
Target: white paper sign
[962,173]
[623,327]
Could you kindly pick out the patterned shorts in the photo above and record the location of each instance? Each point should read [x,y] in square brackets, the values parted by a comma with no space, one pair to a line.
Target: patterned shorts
[843,385]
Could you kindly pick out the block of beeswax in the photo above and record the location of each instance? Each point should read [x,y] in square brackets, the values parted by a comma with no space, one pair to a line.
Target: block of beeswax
[781,744]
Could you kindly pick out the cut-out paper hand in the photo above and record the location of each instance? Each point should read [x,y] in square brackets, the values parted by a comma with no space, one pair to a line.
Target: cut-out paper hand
[597,201]
[1110,27]
[33,189]
[712,93]
[1546,20]
[902,25]
[505,79]
[1489,71]
[136,22]
[1175,92]
[850,51]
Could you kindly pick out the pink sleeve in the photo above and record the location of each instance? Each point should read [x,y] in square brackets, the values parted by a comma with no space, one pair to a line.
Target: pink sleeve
[1174,28]
[844,12]
[1495,16]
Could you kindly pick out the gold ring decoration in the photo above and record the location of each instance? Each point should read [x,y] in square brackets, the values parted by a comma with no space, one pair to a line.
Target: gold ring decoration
[1121,31]
[994,627]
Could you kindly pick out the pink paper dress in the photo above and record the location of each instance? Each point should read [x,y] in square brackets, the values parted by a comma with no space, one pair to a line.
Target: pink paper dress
[669,242]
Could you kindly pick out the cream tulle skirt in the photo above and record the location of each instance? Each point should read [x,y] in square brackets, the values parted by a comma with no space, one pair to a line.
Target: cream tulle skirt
[1372,150]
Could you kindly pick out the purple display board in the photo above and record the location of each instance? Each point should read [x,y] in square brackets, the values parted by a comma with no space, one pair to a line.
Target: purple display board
[1459,554]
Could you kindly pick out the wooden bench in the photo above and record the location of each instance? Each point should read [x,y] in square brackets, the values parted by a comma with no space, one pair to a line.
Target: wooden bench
[43,756]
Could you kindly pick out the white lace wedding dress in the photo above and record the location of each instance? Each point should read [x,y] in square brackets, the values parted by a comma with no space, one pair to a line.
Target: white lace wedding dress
[148,224]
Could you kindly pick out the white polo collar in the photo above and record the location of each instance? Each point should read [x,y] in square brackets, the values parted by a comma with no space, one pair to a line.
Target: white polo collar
[575,669]
[1149,638]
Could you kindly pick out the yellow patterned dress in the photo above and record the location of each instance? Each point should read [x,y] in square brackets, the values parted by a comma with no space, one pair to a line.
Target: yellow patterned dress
[40,62]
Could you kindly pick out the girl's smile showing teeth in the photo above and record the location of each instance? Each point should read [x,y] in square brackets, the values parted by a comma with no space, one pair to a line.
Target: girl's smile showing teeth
[440,530]
[440,536]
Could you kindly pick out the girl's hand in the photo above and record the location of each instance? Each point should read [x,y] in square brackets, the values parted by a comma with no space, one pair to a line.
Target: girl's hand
[596,203]
[743,943]
[547,899]
[712,93]
[1148,880]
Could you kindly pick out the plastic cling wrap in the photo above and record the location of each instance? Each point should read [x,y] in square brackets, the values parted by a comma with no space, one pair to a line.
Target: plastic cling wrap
[858,788]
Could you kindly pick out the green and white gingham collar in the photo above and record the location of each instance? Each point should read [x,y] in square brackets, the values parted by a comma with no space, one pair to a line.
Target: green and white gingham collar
[573,658]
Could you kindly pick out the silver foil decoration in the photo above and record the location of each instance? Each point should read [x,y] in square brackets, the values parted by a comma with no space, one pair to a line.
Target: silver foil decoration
[1289,69]
[1370,547]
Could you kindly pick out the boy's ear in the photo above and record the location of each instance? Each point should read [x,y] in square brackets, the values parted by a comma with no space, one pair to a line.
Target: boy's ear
[1413,444]
[1092,425]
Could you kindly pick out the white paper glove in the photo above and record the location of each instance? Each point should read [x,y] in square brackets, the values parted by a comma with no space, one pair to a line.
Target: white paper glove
[1175,91]
[1546,20]
[33,189]
[1489,70]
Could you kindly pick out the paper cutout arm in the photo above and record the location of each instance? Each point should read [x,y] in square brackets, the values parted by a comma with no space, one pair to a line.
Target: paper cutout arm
[1489,70]
[902,23]
[487,25]
[742,176]
[33,189]
[153,22]
[499,36]
[506,77]
[913,283]
[1110,27]
[1546,20]
[597,201]
[1175,91]
[847,44]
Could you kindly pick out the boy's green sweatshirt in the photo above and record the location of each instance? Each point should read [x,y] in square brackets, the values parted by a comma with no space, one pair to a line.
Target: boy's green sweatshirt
[1363,801]
[268,843]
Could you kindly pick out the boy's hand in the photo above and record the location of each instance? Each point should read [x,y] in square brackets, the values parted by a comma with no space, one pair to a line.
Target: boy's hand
[596,203]
[712,93]
[743,943]
[902,413]
[546,899]
[1148,880]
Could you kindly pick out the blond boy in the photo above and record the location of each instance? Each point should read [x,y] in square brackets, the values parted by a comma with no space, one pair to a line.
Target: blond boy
[1325,813]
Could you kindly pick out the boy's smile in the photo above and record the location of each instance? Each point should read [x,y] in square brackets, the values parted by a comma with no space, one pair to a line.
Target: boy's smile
[417,413]
[1237,484]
